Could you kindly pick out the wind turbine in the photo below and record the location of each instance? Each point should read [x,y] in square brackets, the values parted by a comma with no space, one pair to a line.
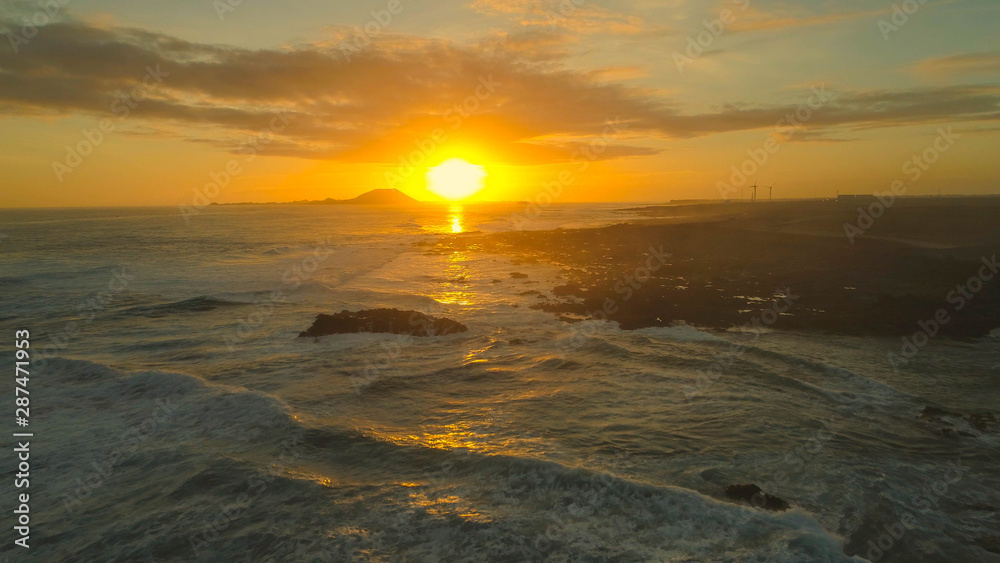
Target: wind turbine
[754,186]
[769,192]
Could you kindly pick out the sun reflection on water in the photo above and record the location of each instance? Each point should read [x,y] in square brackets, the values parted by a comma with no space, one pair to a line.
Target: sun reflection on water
[486,429]
[478,433]
[456,280]
[456,218]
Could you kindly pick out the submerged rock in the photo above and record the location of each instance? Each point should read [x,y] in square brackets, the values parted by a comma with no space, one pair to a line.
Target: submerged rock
[756,497]
[950,423]
[391,321]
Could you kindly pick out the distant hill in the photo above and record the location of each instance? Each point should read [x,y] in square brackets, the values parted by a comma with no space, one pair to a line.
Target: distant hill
[375,197]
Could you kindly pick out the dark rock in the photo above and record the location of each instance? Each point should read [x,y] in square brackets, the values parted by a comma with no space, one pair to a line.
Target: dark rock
[391,321]
[755,497]
[982,421]
[518,275]
[569,289]
[718,276]
[989,543]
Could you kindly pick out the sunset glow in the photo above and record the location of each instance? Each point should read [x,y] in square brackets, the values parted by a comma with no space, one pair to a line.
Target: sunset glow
[456,179]
[501,280]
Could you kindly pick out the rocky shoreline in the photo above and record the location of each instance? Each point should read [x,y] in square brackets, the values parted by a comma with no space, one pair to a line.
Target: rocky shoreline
[787,267]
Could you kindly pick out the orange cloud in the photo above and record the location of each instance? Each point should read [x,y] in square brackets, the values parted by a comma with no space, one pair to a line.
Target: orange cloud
[572,15]
[961,64]
[753,19]
[375,103]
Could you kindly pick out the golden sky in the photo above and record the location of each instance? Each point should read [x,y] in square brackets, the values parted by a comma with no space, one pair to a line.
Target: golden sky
[149,103]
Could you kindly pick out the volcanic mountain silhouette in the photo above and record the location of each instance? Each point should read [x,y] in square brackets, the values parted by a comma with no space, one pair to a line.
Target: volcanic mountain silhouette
[374,197]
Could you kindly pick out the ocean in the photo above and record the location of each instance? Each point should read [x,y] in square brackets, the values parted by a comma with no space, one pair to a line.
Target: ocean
[176,415]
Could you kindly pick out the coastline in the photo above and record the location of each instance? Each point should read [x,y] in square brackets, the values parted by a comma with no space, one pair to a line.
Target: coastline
[728,262]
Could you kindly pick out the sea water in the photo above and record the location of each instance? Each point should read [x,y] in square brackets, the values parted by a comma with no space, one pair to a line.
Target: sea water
[177,415]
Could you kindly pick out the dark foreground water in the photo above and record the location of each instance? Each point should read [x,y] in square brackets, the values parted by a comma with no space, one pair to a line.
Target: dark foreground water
[177,416]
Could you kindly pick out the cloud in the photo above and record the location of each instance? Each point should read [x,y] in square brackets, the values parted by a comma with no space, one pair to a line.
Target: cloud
[815,136]
[979,130]
[537,45]
[795,15]
[578,16]
[883,108]
[618,73]
[500,95]
[754,19]
[961,64]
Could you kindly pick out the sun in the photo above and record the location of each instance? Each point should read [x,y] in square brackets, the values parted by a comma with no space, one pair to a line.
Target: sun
[456,179]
